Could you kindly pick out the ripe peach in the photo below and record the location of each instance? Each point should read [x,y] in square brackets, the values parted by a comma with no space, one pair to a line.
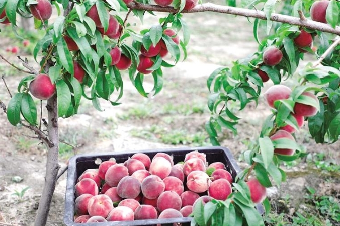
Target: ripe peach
[171,33]
[166,156]
[121,213]
[196,154]
[186,211]
[169,199]
[143,158]
[41,87]
[220,189]
[112,193]
[113,27]
[151,202]
[194,164]
[128,187]
[163,52]
[124,62]
[217,165]
[42,10]
[140,175]
[133,165]
[177,171]
[203,199]
[318,11]
[127,1]
[272,56]
[118,34]
[170,213]
[93,14]
[173,184]
[283,134]
[96,219]
[2,17]
[198,181]
[190,4]
[15,49]
[86,186]
[115,173]
[299,119]
[152,51]
[189,198]
[71,44]
[115,55]
[81,203]
[160,167]
[306,110]
[277,92]
[104,166]
[131,203]
[144,64]
[222,174]
[78,72]
[100,205]
[163,2]
[82,219]
[304,39]
[257,190]
[145,212]
[264,76]
[25,43]
[105,188]
[152,186]
[92,174]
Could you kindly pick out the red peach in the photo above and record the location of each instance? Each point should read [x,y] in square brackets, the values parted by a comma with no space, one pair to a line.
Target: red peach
[26,43]
[121,213]
[152,51]
[100,205]
[299,119]
[189,198]
[264,76]
[152,202]
[152,186]
[92,174]
[186,211]
[198,181]
[42,10]
[217,165]
[86,186]
[2,16]
[15,49]
[277,92]
[104,166]
[272,56]
[71,44]
[115,55]
[283,134]
[163,2]
[304,109]
[145,212]
[129,187]
[166,156]
[144,64]
[41,87]
[177,171]
[124,62]
[190,4]
[222,174]
[220,189]
[257,190]
[304,39]
[169,199]
[78,72]
[196,154]
[173,184]
[115,173]
[133,165]
[160,167]
[170,213]
[131,203]
[194,164]
[112,193]
[105,188]
[143,158]
[94,15]
[96,219]
[140,175]
[82,219]
[318,11]
[171,33]
[81,203]
[204,199]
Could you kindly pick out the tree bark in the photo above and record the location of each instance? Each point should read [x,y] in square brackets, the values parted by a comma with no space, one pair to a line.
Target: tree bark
[52,165]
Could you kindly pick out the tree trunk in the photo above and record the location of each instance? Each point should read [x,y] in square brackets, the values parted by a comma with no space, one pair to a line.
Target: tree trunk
[27,24]
[52,165]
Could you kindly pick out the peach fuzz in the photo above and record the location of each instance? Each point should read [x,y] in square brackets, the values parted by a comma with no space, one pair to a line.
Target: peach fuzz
[104,166]
[42,10]
[81,203]
[152,186]
[145,212]
[160,167]
[96,219]
[186,211]
[169,199]
[257,190]
[198,181]
[131,203]
[280,135]
[152,202]
[173,184]
[92,174]
[143,158]
[222,174]
[82,219]
[220,189]
[115,173]
[196,154]
[100,205]
[133,165]
[86,186]
[217,165]
[299,119]
[194,164]
[177,171]
[112,193]
[129,187]
[189,198]
[272,56]
[170,213]
[42,87]
[318,11]
[277,92]
[121,213]
[166,156]
[140,175]
[105,188]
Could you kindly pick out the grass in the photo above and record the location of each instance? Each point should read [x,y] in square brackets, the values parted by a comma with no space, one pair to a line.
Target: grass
[137,112]
[184,109]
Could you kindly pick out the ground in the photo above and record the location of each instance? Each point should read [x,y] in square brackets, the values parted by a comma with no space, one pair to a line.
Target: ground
[173,118]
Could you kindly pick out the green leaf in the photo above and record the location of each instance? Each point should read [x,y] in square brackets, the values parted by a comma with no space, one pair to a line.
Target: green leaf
[332,13]
[102,85]
[172,47]
[266,205]
[158,81]
[28,109]
[58,27]
[290,50]
[307,100]
[273,74]
[139,85]
[76,90]
[156,34]
[14,109]
[262,175]
[11,9]
[146,40]
[3,3]
[64,55]
[213,75]
[229,217]
[252,216]
[25,81]
[90,23]
[210,128]
[209,209]
[268,10]
[82,43]
[45,41]
[334,128]
[80,28]
[103,14]
[54,73]
[275,173]
[199,213]
[211,100]
[64,97]
[255,29]
[227,124]
[285,143]
[267,150]
[81,11]
[231,3]
[186,32]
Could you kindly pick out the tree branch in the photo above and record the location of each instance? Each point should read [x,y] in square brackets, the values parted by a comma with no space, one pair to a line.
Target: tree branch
[16,67]
[3,79]
[41,135]
[328,51]
[210,7]
[61,172]
[26,65]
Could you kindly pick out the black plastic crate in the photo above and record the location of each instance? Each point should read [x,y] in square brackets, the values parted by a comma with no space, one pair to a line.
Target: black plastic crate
[78,164]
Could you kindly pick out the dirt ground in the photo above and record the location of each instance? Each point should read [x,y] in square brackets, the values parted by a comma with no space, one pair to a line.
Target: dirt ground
[140,123]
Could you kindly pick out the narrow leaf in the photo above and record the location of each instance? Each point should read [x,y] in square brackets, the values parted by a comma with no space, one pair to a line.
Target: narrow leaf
[28,109]
[14,109]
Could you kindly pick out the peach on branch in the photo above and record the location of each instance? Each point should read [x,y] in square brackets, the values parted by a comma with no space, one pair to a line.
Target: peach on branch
[220,189]
[304,109]
[86,186]
[277,92]
[115,173]
[257,191]
[171,33]
[100,205]
[25,43]
[104,166]
[198,181]
[190,4]
[299,119]
[264,76]
[128,187]
[280,135]
[272,56]
[173,184]
[94,15]
[113,27]
[163,2]
[143,158]
[145,212]
[318,11]
[78,72]
[152,186]
[121,213]
[152,51]
[3,16]
[71,44]
[169,199]
[81,203]
[42,10]
[144,64]
[131,203]
[304,39]
[115,55]
[124,62]
[15,49]
[41,87]
[189,198]
[160,166]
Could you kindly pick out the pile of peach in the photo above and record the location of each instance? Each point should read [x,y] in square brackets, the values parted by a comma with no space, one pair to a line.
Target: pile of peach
[141,188]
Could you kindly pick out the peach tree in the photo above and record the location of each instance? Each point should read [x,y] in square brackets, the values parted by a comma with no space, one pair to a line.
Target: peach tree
[88,43]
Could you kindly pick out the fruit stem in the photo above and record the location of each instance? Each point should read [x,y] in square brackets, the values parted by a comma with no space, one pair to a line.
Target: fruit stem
[249,171]
[301,15]
[47,57]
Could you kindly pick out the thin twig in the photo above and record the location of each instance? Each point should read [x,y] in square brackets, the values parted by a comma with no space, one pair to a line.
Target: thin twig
[64,142]
[41,135]
[26,65]
[301,15]
[3,106]
[40,115]
[249,171]
[3,79]
[13,65]
[328,51]
[47,57]
[122,31]
[62,171]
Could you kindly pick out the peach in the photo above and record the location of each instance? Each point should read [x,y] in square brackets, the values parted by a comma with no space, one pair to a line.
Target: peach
[100,205]
[104,166]
[152,51]
[189,198]
[163,52]
[220,189]
[96,219]
[118,34]
[81,203]
[272,56]
[78,72]
[131,203]
[166,156]
[127,1]
[124,62]
[113,27]
[198,181]
[222,174]
[194,164]
[152,202]
[26,43]
[299,119]
[177,171]
[169,199]
[86,186]
[277,92]
[163,2]
[128,187]
[121,213]
[42,10]
[264,76]
[304,39]
[133,165]
[190,4]
[41,87]
[112,193]
[71,44]
[204,199]
[160,167]
[144,64]
[92,174]
[283,134]
[306,110]
[195,154]
[2,17]
[115,55]
[145,212]
[170,213]
[140,175]
[82,219]
[152,186]
[217,165]
[105,188]
[173,184]
[186,211]
[15,49]
[115,173]
[171,33]
[318,11]
[143,158]
[93,14]
[257,190]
